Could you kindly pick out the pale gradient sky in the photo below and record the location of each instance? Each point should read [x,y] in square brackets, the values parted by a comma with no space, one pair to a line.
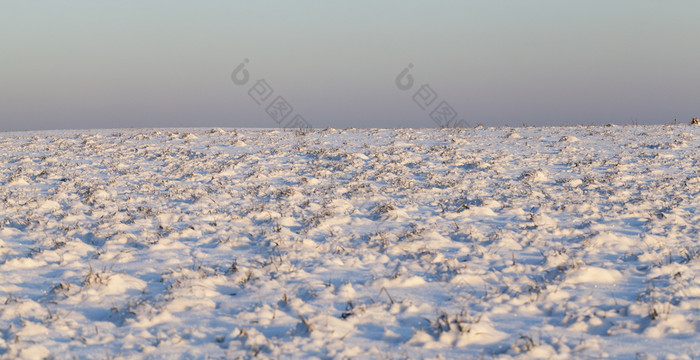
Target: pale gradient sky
[113,64]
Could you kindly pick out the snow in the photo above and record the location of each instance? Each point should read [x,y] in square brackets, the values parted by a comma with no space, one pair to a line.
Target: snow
[561,242]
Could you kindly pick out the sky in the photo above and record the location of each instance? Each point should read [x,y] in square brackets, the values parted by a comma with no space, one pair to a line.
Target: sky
[82,64]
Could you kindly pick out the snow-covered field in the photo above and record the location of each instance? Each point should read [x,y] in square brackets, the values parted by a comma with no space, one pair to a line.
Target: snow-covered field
[569,242]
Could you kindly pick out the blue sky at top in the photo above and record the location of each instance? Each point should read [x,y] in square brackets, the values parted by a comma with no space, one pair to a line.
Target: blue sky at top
[86,64]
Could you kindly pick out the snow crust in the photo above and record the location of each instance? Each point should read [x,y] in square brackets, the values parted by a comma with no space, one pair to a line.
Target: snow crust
[558,243]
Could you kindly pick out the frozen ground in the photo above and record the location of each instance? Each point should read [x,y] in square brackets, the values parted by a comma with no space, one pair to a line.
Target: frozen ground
[576,242]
